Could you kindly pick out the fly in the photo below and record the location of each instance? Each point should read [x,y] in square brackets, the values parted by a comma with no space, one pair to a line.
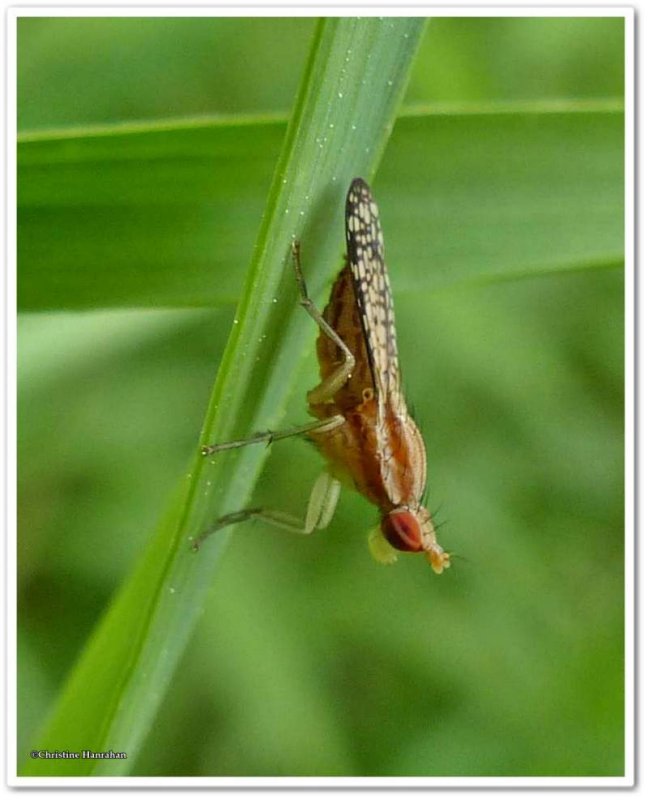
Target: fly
[362,425]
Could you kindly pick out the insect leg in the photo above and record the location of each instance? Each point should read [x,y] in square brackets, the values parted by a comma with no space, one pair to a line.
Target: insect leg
[270,436]
[321,507]
[328,387]
[380,548]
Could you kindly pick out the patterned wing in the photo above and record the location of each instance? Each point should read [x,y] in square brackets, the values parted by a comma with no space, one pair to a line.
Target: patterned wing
[366,256]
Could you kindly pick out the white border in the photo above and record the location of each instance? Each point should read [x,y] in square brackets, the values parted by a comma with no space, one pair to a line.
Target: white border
[10,305]
[296,10]
[630,355]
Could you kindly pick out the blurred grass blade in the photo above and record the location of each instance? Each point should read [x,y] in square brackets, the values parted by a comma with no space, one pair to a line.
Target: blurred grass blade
[133,217]
[342,118]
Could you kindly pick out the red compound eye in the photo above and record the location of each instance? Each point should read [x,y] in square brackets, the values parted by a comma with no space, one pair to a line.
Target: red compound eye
[403,531]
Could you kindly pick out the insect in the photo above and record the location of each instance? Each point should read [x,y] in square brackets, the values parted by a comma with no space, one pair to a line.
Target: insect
[362,426]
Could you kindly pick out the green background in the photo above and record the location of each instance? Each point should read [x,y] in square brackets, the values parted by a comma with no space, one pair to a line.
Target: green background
[310,659]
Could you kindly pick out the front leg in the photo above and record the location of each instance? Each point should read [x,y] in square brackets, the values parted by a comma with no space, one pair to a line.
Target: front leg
[336,380]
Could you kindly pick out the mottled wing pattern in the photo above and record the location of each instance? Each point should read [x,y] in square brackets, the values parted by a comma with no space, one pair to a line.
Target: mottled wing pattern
[366,256]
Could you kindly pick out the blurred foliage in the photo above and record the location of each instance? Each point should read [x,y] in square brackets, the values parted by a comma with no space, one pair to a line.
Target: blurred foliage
[90,71]
[134,218]
[310,659]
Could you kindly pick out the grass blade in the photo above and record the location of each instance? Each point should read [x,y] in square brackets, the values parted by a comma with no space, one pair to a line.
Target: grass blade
[343,115]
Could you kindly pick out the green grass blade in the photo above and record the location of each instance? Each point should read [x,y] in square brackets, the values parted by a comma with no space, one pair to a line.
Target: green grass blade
[342,118]
[147,217]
